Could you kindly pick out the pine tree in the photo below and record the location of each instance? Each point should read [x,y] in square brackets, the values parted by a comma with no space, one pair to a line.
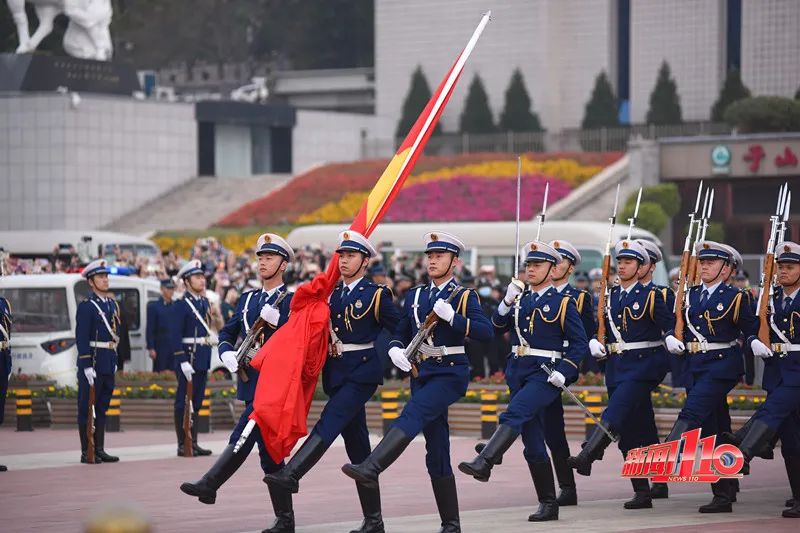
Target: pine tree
[476,116]
[517,114]
[601,109]
[732,90]
[665,104]
[419,92]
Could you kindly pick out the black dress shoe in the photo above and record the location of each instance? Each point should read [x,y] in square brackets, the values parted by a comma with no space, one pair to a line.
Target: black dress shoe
[481,467]
[385,453]
[718,504]
[3,468]
[301,462]
[639,501]
[221,471]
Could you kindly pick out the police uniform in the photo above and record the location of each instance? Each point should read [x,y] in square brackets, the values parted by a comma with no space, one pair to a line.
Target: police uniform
[636,363]
[5,355]
[248,311]
[716,317]
[780,413]
[192,340]
[159,330]
[359,310]
[443,379]
[554,429]
[96,324]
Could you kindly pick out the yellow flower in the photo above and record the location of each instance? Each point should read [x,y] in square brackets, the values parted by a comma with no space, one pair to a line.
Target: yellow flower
[51,388]
[171,390]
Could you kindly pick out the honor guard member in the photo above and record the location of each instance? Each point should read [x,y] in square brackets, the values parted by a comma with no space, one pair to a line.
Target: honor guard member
[192,340]
[554,431]
[545,329]
[96,325]
[716,315]
[443,374]
[271,302]
[636,318]
[159,328]
[780,413]
[360,310]
[5,355]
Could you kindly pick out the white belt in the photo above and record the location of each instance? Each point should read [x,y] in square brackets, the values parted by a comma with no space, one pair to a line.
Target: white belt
[427,351]
[619,347]
[4,345]
[110,345]
[524,351]
[202,341]
[781,347]
[697,346]
[355,347]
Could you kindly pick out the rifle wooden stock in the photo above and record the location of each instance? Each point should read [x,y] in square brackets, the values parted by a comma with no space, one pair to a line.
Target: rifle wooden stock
[244,362]
[430,322]
[90,427]
[693,273]
[188,445]
[763,301]
[601,303]
[680,296]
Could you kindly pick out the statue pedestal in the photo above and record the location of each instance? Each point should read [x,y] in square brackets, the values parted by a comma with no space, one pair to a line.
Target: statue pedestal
[44,73]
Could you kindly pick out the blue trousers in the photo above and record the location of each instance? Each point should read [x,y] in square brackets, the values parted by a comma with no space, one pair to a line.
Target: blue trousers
[789,434]
[267,464]
[630,414]
[103,391]
[345,415]
[555,435]
[525,413]
[426,412]
[5,368]
[703,403]
[198,392]
[781,403]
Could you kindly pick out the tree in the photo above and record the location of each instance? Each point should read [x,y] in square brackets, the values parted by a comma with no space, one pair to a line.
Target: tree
[732,90]
[517,114]
[601,109]
[651,216]
[764,114]
[797,94]
[665,104]
[417,97]
[664,194]
[476,116]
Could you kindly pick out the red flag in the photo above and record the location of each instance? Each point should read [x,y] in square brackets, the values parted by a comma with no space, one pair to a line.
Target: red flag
[291,360]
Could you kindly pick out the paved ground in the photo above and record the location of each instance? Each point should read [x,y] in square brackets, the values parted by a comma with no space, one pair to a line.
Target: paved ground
[46,489]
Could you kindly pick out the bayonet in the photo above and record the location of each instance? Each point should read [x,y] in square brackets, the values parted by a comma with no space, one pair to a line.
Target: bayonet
[632,220]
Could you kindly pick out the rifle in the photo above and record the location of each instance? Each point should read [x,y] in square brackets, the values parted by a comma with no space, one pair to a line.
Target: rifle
[702,228]
[188,409]
[426,330]
[519,283]
[246,351]
[604,290]
[632,220]
[90,457]
[544,211]
[767,274]
[683,282]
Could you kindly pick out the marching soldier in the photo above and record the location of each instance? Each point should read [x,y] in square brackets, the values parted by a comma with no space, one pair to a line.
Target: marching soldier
[271,302]
[159,328]
[716,315]
[192,340]
[637,317]
[780,413]
[360,310]
[443,375]
[5,355]
[545,329]
[96,324]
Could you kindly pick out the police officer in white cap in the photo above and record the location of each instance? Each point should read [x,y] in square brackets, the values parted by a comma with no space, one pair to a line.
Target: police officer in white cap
[96,326]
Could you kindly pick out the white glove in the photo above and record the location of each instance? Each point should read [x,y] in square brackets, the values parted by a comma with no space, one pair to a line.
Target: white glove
[674,346]
[270,314]
[511,293]
[90,375]
[597,349]
[186,368]
[229,360]
[398,357]
[760,349]
[444,310]
[557,379]
[213,339]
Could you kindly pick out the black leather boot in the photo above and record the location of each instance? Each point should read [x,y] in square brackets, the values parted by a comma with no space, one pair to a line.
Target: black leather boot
[659,491]
[178,419]
[596,444]
[721,502]
[568,494]
[479,448]
[678,428]
[306,457]
[793,473]
[221,471]
[543,482]
[85,446]
[481,467]
[99,445]
[446,496]
[641,495]
[756,438]
[371,508]
[385,453]
[3,468]
[196,447]
[284,513]
[765,451]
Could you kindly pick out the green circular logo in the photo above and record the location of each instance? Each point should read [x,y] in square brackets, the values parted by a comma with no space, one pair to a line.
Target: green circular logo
[720,156]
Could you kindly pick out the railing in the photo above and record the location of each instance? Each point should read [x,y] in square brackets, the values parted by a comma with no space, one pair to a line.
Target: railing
[568,140]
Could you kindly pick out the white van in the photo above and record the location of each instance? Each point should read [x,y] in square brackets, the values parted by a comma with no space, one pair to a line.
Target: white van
[43,333]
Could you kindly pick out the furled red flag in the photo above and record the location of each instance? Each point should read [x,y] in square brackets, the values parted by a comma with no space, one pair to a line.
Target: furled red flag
[291,360]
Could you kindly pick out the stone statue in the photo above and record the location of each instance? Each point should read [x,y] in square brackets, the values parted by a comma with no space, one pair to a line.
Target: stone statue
[87,34]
